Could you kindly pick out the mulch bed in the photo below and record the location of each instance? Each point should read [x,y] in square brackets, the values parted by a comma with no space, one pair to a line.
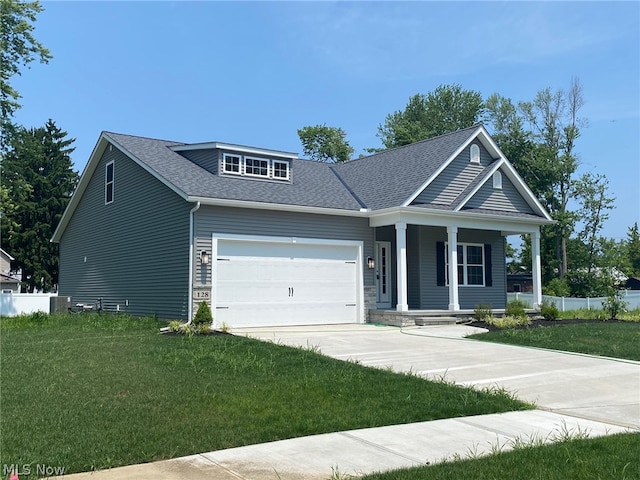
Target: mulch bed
[541,322]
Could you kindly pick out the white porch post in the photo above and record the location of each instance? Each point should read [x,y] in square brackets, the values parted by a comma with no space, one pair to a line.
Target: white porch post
[401,266]
[454,304]
[536,269]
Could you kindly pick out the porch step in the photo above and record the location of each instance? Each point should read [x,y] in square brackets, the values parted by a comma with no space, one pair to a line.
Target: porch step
[435,320]
[416,317]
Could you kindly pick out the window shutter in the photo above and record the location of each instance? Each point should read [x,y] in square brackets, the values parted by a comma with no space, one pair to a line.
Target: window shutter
[440,264]
[488,277]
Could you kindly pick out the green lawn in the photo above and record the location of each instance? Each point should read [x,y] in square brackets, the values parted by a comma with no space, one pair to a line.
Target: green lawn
[88,392]
[619,340]
[605,458]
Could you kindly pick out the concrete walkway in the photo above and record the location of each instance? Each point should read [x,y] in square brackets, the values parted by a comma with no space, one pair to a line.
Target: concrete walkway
[576,395]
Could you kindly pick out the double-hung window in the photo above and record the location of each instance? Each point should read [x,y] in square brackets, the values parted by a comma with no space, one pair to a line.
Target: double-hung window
[471,264]
[108,183]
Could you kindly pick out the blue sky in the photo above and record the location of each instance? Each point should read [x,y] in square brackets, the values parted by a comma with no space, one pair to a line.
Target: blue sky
[253,73]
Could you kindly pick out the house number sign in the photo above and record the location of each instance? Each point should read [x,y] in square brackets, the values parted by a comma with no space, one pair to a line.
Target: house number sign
[202,293]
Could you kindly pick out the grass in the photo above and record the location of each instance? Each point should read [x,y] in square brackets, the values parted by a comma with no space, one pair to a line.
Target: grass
[611,457]
[86,392]
[619,340]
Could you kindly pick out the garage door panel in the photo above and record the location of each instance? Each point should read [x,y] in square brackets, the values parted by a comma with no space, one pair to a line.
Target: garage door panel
[262,283]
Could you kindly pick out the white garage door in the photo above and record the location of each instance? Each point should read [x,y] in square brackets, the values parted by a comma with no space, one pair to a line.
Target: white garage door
[260,283]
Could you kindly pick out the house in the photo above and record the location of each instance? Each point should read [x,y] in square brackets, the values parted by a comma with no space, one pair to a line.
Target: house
[519,282]
[266,238]
[8,282]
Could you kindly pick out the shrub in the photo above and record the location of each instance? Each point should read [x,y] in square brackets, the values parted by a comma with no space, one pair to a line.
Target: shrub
[203,315]
[516,308]
[557,287]
[509,321]
[549,310]
[482,311]
[614,304]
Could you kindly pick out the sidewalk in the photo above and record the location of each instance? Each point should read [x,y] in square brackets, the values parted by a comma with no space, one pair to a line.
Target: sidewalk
[576,395]
[364,451]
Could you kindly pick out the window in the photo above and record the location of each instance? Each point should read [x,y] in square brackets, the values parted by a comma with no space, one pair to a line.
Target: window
[497,181]
[231,163]
[471,264]
[108,183]
[256,166]
[474,154]
[280,169]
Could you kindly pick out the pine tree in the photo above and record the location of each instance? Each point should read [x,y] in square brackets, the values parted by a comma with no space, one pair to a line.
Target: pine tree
[38,179]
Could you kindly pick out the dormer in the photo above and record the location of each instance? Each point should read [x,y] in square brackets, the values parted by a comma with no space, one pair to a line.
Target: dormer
[229,160]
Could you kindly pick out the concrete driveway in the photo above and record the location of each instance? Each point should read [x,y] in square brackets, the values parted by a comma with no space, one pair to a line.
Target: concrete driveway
[606,390]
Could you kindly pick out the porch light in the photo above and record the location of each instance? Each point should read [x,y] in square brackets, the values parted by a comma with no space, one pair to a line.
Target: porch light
[371,263]
[204,257]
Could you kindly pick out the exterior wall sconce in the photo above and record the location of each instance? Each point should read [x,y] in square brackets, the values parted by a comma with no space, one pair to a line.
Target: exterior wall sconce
[371,263]
[204,257]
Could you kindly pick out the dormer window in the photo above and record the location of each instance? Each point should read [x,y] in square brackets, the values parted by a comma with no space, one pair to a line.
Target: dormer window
[256,167]
[497,181]
[281,169]
[474,154]
[231,163]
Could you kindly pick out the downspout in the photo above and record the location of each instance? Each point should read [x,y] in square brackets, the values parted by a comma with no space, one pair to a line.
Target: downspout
[191,259]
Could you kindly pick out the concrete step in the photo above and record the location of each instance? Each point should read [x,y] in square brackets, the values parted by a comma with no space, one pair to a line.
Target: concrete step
[424,321]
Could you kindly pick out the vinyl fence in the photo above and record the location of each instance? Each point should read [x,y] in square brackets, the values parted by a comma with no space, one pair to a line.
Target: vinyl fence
[632,297]
[13,304]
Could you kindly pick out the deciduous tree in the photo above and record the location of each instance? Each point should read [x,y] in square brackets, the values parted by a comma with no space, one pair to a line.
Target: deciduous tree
[447,109]
[325,144]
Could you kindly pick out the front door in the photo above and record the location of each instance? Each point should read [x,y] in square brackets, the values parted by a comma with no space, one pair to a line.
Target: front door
[383,274]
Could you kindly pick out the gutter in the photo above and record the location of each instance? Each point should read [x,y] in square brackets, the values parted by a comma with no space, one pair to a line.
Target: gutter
[191,259]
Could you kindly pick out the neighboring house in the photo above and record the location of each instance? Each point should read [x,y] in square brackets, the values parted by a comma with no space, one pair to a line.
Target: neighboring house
[155,227]
[633,283]
[8,282]
[519,282]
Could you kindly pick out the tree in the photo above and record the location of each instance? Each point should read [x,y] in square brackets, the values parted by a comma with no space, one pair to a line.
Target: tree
[37,174]
[539,138]
[325,144]
[633,250]
[18,48]
[591,191]
[447,109]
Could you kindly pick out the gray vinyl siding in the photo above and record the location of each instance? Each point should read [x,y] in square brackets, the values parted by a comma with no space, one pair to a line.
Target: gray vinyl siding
[434,297]
[452,181]
[136,248]
[207,159]
[243,221]
[506,199]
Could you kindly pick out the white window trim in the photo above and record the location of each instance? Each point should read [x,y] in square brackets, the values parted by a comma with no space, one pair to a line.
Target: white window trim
[266,160]
[474,154]
[497,180]
[224,164]
[242,170]
[273,170]
[463,282]
[107,183]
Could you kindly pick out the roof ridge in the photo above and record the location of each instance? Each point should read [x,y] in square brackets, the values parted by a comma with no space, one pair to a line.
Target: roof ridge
[144,137]
[473,127]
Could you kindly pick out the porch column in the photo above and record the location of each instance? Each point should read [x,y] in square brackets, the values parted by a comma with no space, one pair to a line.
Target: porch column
[401,266]
[536,269]
[454,304]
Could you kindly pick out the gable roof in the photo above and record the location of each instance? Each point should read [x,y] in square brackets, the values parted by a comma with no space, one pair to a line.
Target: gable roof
[385,180]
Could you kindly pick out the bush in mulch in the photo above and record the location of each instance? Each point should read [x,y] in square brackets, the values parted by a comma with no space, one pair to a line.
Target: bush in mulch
[541,322]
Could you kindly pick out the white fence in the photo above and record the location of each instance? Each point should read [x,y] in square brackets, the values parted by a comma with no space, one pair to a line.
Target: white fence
[12,304]
[632,297]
